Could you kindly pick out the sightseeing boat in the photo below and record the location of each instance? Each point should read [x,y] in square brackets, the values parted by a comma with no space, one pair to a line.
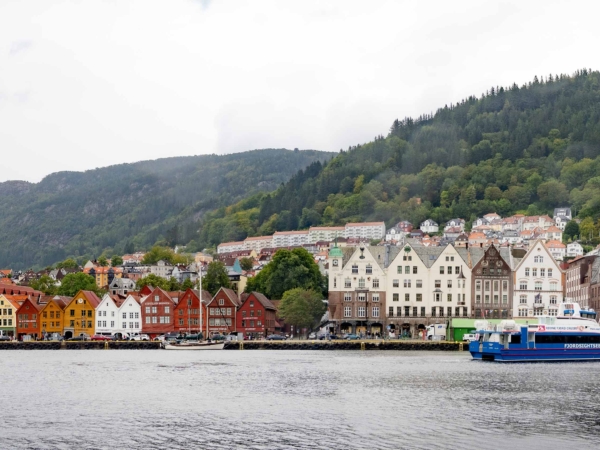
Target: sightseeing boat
[572,335]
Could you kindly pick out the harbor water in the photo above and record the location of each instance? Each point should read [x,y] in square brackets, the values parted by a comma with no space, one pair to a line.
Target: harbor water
[292,400]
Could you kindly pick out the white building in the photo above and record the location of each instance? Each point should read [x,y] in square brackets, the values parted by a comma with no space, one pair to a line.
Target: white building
[130,316]
[114,315]
[317,234]
[365,230]
[453,223]
[290,238]
[394,234]
[162,269]
[562,216]
[227,247]
[574,249]
[429,226]
[557,249]
[538,283]
[257,243]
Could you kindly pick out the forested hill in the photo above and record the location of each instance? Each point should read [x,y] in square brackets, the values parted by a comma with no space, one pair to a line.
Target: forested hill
[523,148]
[131,206]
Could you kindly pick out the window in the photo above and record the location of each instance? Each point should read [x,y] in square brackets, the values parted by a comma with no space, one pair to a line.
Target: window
[407,283]
[450,284]
[369,268]
[422,311]
[156,298]
[441,270]
[406,311]
[154,310]
[415,270]
[407,297]
[449,297]
[534,272]
[549,272]
[154,319]
[496,298]
[449,313]
[433,311]
[398,269]
[407,269]
[538,285]
[523,299]
[419,297]
[99,323]
[375,282]
[419,283]
[522,312]
[221,302]
[414,311]
[375,297]
[147,321]
[542,272]
[449,270]
[447,258]
[478,285]
[391,311]
[553,286]
[538,259]
[504,285]
[438,284]
[487,286]
[504,299]
[395,283]
[553,299]
[361,282]
[523,285]
[395,297]
[124,315]
[437,297]
[526,271]
[362,311]
[334,282]
[457,270]
[478,298]
[354,268]
[375,311]
[362,297]
[347,311]
[347,298]
[456,311]
[347,283]
[72,312]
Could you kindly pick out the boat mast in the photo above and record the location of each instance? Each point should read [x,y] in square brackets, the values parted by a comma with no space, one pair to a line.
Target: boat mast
[200,296]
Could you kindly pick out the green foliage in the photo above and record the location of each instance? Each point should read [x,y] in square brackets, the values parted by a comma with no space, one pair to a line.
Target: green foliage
[154,281]
[215,278]
[287,270]
[116,260]
[158,253]
[68,263]
[302,308]
[72,283]
[132,206]
[45,284]
[102,261]
[246,263]
[571,231]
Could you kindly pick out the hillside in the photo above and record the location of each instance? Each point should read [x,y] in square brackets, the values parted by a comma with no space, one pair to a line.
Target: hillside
[515,149]
[131,206]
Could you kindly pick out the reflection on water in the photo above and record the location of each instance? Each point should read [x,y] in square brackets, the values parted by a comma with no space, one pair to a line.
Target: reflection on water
[292,399]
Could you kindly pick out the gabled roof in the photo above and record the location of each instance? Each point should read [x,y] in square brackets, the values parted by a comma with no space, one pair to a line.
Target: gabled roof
[230,294]
[263,300]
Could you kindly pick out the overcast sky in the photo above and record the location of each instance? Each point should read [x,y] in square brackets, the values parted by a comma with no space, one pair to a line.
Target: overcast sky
[86,84]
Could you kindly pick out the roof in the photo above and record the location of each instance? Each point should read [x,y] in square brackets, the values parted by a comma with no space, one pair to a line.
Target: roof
[92,298]
[555,244]
[263,300]
[326,229]
[287,233]
[365,224]
[228,244]
[259,238]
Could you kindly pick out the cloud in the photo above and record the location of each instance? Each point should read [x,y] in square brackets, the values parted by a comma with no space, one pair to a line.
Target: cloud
[19,46]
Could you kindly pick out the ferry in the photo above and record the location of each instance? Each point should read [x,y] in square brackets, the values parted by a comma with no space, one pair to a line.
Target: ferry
[572,335]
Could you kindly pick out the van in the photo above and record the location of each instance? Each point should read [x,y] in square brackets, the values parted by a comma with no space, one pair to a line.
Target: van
[469,337]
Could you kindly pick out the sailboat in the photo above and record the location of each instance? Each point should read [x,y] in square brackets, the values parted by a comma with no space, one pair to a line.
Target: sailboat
[195,344]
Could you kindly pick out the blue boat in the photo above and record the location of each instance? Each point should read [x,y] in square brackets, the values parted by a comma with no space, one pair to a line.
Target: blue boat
[572,335]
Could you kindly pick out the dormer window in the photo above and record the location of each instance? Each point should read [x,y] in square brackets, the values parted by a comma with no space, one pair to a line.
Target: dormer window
[156,298]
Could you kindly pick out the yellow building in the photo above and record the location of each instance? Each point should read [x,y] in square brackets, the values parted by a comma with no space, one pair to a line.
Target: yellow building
[104,275]
[8,312]
[52,315]
[80,314]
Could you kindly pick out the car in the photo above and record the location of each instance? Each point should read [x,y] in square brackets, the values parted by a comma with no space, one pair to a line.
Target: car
[79,338]
[139,337]
[352,337]
[469,337]
[120,337]
[100,337]
[312,336]
[5,338]
[275,337]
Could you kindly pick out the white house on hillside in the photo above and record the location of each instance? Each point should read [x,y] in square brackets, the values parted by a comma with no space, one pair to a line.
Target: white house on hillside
[574,249]
[429,226]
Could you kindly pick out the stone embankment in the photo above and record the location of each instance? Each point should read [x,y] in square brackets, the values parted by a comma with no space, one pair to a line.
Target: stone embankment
[80,345]
[348,345]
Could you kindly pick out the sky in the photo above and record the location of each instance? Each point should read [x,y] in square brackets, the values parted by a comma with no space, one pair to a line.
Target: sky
[87,84]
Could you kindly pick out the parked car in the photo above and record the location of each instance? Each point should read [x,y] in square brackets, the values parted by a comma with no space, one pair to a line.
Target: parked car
[139,337]
[312,336]
[275,337]
[352,337]
[100,337]
[469,337]
[81,337]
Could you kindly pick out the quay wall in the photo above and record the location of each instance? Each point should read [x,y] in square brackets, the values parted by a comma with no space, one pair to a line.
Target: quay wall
[80,345]
[348,345]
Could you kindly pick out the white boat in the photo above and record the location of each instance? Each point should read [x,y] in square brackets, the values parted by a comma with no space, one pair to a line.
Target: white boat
[194,346]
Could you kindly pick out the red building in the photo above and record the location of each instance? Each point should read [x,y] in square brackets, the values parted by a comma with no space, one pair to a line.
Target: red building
[157,313]
[28,319]
[222,312]
[257,316]
[187,312]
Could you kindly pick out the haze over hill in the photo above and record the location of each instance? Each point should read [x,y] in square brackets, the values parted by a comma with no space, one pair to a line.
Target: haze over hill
[131,205]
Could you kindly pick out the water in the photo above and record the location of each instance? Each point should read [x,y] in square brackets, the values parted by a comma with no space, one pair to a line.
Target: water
[292,399]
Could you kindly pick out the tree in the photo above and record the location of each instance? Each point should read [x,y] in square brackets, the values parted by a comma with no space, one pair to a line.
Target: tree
[154,281]
[587,229]
[216,277]
[68,263]
[246,263]
[102,261]
[45,284]
[116,260]
[571,230]
[288,269]
[167,254]
[302,308]
[187,284]
[72,283]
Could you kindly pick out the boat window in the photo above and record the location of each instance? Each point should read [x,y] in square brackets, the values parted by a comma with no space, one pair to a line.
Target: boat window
[515,338]
[567,339]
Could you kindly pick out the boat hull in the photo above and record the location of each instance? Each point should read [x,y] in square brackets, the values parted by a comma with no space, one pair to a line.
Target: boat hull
[537,354]
[202,346]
